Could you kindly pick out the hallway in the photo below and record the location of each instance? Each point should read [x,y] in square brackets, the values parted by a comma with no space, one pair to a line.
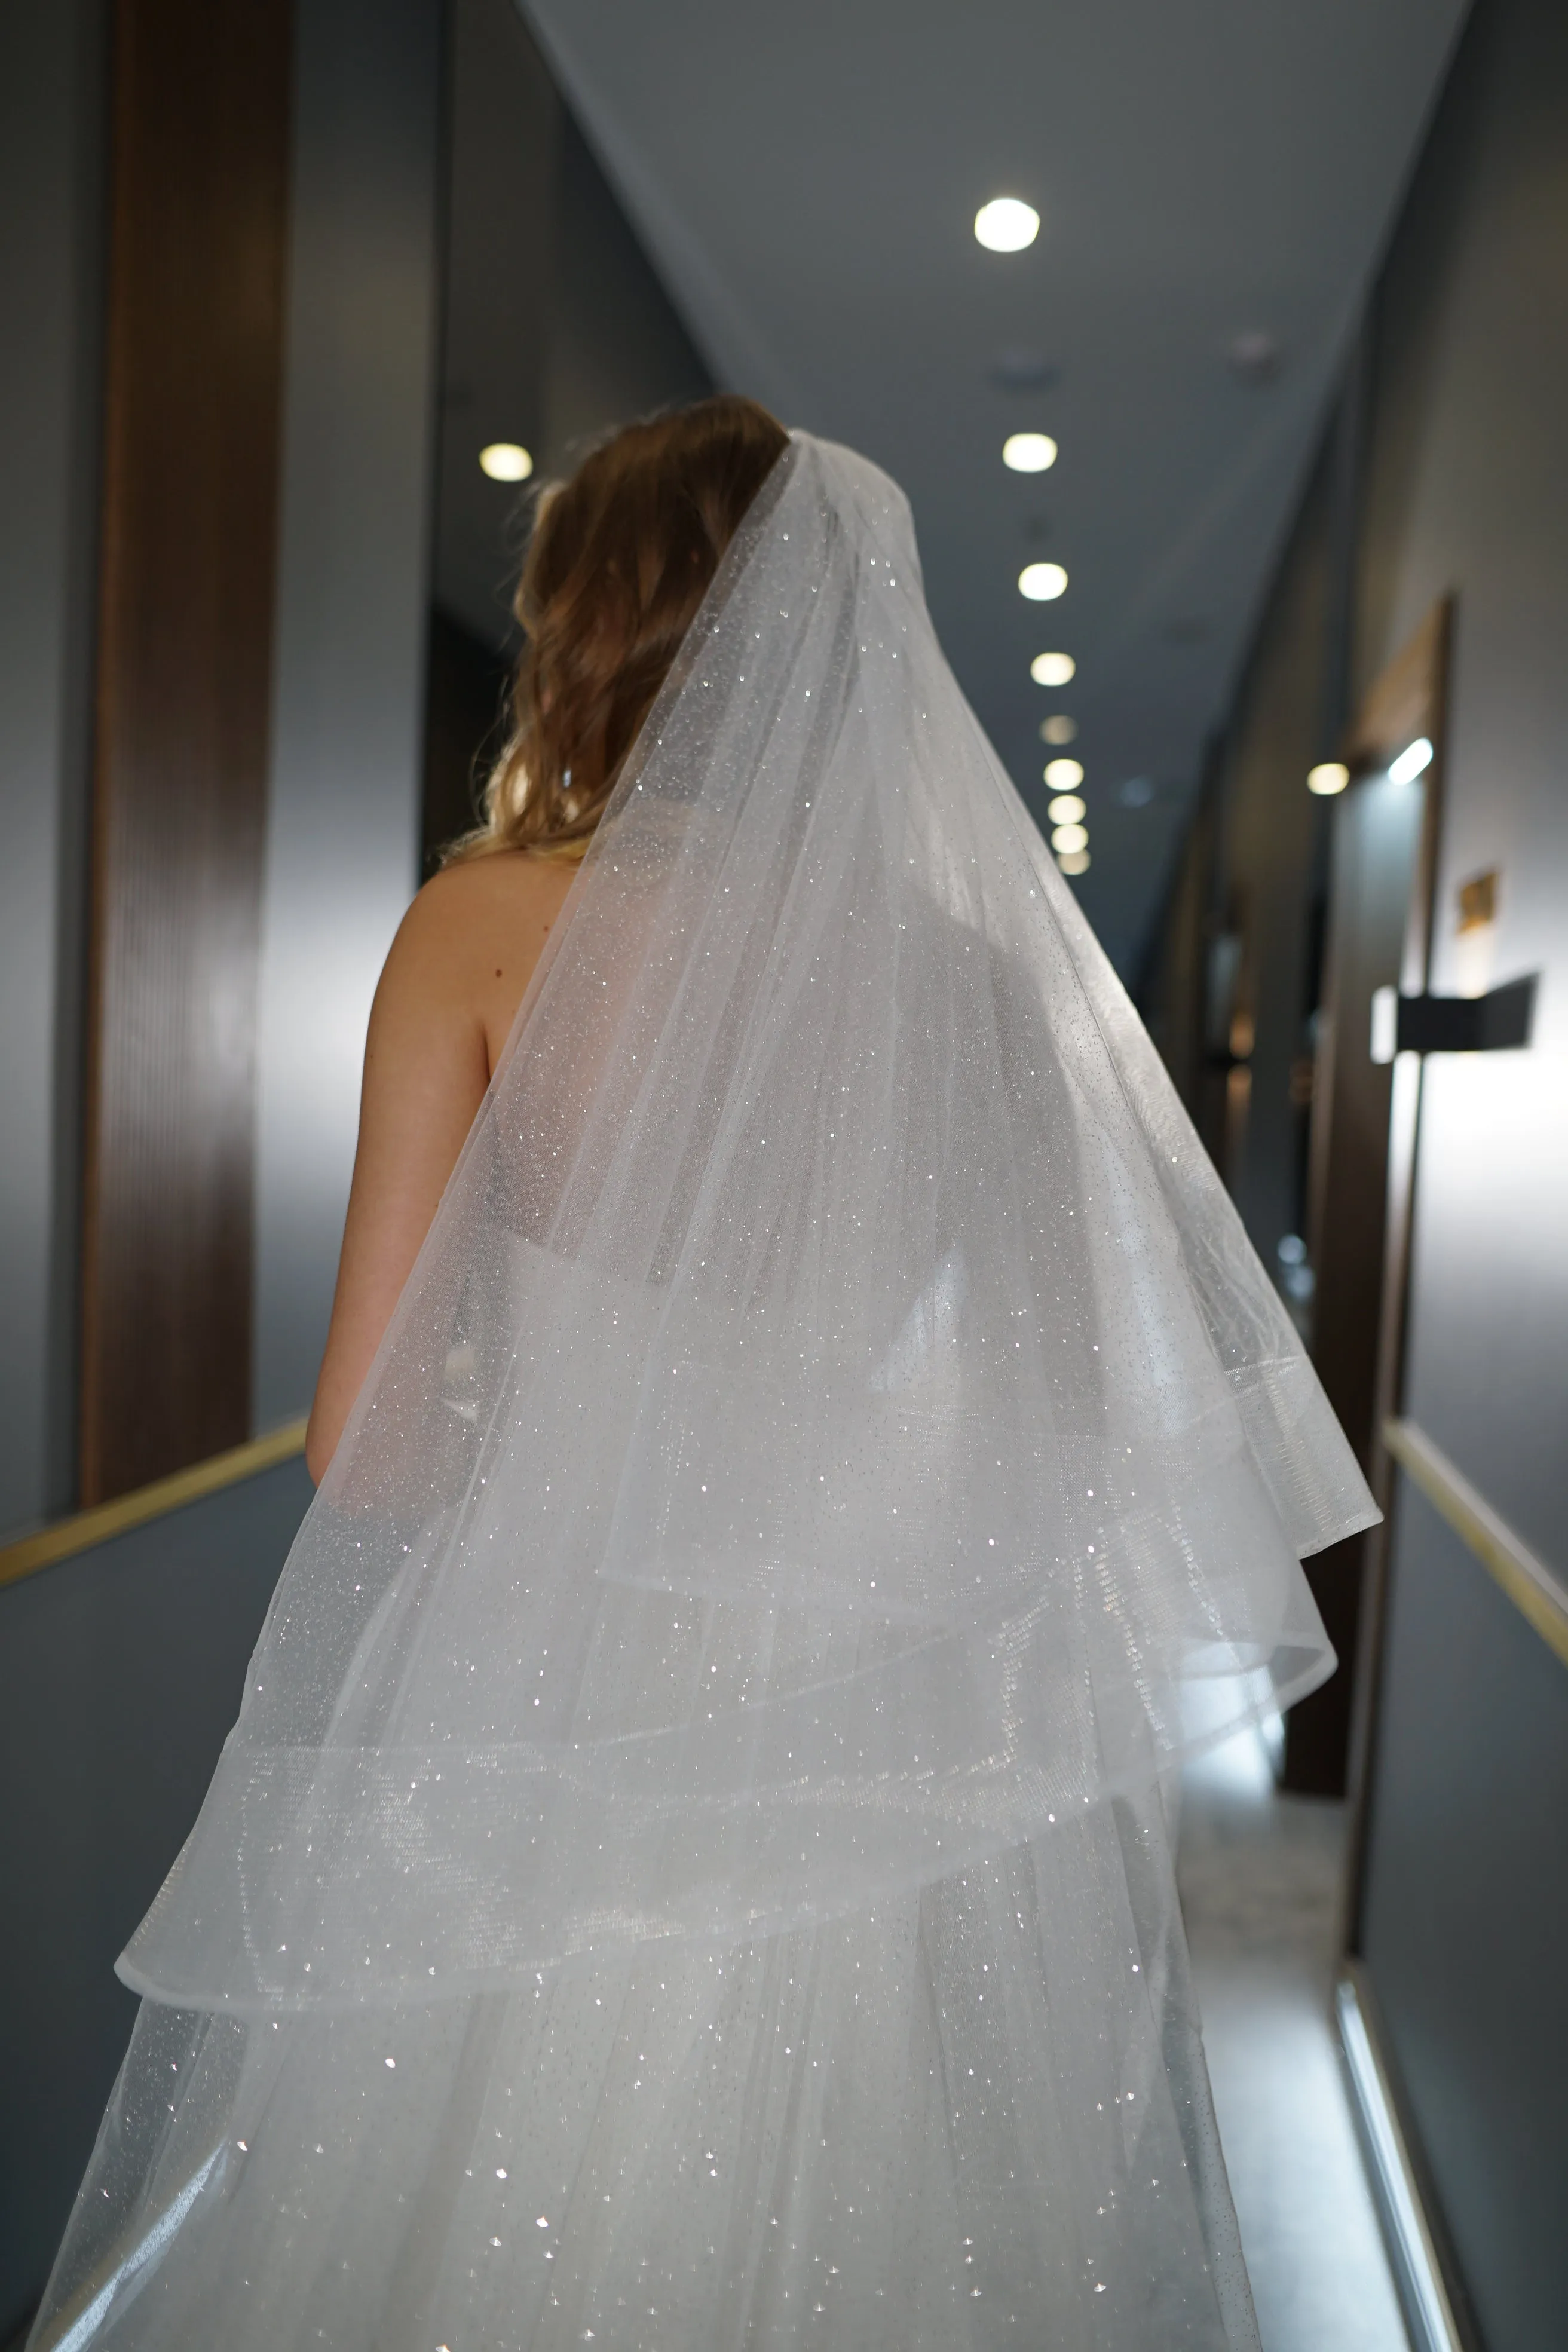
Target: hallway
[1220,355]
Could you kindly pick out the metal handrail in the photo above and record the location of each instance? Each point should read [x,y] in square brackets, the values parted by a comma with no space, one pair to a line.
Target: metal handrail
[1536,1591]
[84,1529]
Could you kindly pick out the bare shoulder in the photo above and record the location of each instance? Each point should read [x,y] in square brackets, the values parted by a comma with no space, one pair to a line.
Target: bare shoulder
[474,934]
[486,902]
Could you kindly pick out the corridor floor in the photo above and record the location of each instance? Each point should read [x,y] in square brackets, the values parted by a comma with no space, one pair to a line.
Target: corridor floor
[1259,1877]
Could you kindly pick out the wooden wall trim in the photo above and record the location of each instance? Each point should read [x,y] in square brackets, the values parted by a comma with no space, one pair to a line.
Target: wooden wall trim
[1540,1596]
[85,1531]
[199,182]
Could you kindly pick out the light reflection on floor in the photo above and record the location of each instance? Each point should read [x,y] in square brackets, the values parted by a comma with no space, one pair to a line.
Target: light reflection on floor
[1261,1877]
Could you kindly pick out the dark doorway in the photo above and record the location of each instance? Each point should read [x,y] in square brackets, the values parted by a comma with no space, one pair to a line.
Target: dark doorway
[465,726]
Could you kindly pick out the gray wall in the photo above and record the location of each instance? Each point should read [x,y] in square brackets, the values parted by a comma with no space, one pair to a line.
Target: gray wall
[355,583]
[1466,1920]
[51,110]
[1466,489]
[617,348]
[120,1672]
[1255,863]
[556,327]
[348,710]
[1272,838]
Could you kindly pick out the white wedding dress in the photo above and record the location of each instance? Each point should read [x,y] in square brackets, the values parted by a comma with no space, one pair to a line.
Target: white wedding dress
[689,1874]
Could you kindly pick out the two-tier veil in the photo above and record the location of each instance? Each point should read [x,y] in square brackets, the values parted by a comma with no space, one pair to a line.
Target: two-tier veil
[836,1450]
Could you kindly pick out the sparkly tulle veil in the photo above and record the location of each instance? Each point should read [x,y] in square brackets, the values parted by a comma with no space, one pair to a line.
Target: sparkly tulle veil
[836,1436]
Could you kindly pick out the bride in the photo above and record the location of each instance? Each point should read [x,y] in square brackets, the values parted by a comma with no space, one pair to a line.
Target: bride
[805,1447]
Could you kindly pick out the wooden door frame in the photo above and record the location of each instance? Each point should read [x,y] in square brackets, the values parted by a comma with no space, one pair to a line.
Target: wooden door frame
[1408,699]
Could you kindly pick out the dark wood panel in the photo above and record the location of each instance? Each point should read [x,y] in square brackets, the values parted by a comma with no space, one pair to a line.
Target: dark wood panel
[199,191]
[1376,846]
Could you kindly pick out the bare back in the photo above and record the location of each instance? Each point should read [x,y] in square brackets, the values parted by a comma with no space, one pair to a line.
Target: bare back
[463,957]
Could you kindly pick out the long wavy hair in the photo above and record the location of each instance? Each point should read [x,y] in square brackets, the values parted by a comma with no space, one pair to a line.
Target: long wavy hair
[620,558]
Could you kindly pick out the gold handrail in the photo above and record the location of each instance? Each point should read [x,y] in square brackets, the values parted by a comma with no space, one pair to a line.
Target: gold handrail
[85,1528]
[1535,1591]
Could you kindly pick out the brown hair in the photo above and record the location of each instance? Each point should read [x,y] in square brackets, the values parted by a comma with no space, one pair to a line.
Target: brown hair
[621,557]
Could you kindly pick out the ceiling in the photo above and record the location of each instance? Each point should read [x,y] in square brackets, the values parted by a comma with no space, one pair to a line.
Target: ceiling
[805,178]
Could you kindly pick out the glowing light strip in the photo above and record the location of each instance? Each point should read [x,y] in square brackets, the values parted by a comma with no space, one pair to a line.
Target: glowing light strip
[1428,2311]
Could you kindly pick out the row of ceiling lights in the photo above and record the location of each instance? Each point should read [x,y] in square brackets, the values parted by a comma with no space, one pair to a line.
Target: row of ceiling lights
[1007,225]
[1026,453]
[1004,225]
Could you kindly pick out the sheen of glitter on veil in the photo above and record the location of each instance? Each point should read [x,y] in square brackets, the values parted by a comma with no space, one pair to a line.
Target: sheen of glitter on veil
[691,1869]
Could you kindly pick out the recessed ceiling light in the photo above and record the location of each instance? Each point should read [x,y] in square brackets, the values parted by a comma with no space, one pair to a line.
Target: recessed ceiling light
[1042,582]
[1068,838]
[1006,225]
[1074,862]
[1412,761]
[1136,792]
[1058,727]
[1066,809]
[506,461]
[1052,670]
[1029,452]
[1064,775]
[1328,776]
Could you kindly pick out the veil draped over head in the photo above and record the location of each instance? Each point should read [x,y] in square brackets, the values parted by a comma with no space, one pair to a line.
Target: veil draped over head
[837,1428]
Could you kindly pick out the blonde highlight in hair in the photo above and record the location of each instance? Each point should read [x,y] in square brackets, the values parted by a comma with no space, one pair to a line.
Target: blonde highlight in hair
[620,558]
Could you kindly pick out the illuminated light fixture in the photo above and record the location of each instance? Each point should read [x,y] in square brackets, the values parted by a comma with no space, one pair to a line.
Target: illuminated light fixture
[1053,669]
[1390,2168]
[506,461]
[1413,761]
[1029,452]
[1066,809]
[1064,775]
[1068,838]
[1006,225]
[1041,582]
[1328,776]
[1057,729]
[1383,1042]
[1074,861]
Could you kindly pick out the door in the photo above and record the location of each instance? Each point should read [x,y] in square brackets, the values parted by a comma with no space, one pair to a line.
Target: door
[1364,1109]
